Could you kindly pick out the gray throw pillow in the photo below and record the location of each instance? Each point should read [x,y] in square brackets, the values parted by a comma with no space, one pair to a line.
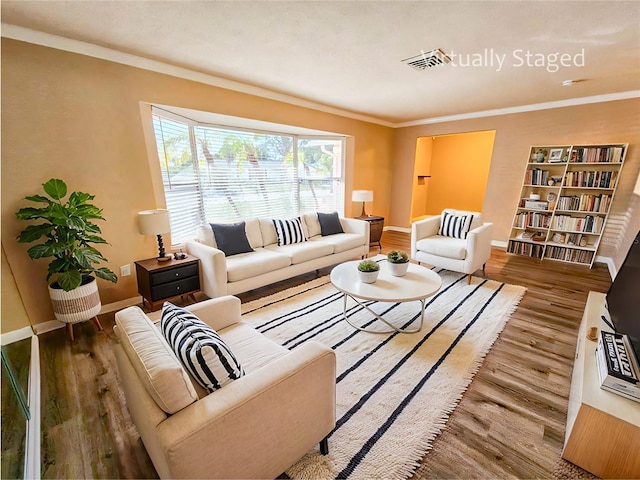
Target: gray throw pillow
[329,224]
[231,238]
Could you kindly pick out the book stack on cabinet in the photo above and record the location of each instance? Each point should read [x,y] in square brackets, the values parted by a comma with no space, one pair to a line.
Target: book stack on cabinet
[566,195]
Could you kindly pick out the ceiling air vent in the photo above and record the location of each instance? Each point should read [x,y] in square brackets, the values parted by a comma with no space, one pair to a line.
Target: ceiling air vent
[427,59]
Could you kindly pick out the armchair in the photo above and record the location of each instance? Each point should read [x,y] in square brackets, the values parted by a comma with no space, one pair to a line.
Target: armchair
[253,427]
[464,255]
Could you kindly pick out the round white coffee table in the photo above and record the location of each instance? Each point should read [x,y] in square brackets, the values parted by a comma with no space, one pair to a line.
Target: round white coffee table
[418,284]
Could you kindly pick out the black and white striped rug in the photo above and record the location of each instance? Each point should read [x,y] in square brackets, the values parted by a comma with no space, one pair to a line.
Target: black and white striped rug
[394,391]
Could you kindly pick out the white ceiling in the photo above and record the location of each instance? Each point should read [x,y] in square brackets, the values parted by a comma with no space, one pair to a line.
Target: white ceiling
[347,55]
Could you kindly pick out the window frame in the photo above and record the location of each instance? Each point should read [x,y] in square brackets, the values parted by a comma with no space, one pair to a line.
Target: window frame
[196,157]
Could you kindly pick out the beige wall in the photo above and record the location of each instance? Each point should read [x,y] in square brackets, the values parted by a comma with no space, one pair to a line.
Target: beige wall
[14,316]
[79,119]
[617,121]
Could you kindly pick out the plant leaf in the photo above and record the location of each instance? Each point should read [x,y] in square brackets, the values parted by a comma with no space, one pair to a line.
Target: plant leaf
[106,274]
[29,213]
[37,198]
[55,188]
[79,198]
[34,232]
[69,280]
[39,251]
[88,255]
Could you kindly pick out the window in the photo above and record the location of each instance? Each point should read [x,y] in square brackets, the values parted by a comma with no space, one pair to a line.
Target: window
[226,174]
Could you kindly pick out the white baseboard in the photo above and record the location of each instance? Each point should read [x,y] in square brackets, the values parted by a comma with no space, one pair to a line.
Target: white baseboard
[16,335]
[115,306]
[610,265]
[397,229]
[499,244]
[51,325]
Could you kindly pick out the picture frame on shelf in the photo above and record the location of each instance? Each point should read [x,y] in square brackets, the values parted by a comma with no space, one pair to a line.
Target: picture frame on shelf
[555,155]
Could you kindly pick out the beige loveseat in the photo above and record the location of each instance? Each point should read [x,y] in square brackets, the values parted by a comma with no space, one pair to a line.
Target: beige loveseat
[270,263]
[254,427]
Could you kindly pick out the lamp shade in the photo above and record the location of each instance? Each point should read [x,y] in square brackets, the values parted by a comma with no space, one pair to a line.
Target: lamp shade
[362,196]
[154,222]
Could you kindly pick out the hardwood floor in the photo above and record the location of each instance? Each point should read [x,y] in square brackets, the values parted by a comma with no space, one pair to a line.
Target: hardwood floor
[509,424]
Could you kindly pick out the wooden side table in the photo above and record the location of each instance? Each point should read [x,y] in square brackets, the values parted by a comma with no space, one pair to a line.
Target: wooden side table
[159,281]
[376,225]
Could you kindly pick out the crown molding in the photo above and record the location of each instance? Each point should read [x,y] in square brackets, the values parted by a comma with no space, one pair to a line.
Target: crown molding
[83,48]
[609,97]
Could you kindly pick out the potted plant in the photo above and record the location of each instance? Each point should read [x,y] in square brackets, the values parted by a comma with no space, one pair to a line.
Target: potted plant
[66,232]
[368,271]
[398,262]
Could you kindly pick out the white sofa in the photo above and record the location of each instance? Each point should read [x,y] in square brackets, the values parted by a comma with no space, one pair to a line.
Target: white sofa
[253,427]
[456,254]
[270,263]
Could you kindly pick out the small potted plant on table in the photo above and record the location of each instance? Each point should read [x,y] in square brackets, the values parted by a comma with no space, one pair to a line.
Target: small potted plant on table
[398,263]
[368,271]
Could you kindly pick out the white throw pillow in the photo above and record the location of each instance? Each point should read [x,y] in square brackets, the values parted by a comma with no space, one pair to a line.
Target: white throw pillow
[455,226]
[289,231]
[200,349]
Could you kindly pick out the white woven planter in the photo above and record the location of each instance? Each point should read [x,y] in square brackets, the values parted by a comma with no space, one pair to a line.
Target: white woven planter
[398,269]
[78,305]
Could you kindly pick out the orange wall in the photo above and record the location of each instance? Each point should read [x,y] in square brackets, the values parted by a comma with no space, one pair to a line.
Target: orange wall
[422,167]
[459,171]
[80,119]
[606,122]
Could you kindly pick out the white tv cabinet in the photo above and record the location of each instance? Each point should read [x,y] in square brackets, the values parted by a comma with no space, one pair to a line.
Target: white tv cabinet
[603,429]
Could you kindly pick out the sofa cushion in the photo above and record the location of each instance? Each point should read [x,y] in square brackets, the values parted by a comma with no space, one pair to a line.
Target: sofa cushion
[329,223]
[456,226]
[443,247]
[248,265]
[312,224]
[158,368]
[200,349]
[304,252]
[252,349]
[289,231]
[341,243]
[231,238]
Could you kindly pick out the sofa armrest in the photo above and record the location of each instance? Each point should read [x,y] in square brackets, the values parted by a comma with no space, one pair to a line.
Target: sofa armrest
[353,225]
[427,227]
[219,312]
[479,244]
[213,265]
[231,433]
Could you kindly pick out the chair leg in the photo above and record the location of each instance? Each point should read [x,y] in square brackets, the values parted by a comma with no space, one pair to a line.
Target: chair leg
[483,271]
[70,331]
[97,322]
[324,446]
[469,279]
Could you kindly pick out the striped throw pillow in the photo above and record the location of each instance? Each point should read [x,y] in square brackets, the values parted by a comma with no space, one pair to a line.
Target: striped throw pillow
[289,231]
[455,226]
[199,348]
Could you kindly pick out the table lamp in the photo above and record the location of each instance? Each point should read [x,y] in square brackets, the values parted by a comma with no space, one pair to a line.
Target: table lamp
[155,222]
[362,196]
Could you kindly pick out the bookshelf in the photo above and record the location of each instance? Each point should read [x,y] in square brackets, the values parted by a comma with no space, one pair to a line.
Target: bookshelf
[566,195]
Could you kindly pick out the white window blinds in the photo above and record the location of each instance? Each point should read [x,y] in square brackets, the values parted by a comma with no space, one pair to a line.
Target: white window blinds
[215,174]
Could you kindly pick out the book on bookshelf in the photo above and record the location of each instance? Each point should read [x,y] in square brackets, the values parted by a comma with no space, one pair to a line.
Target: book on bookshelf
[573,220]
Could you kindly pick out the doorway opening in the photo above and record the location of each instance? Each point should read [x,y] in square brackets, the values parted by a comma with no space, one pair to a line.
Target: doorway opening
[451,171]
